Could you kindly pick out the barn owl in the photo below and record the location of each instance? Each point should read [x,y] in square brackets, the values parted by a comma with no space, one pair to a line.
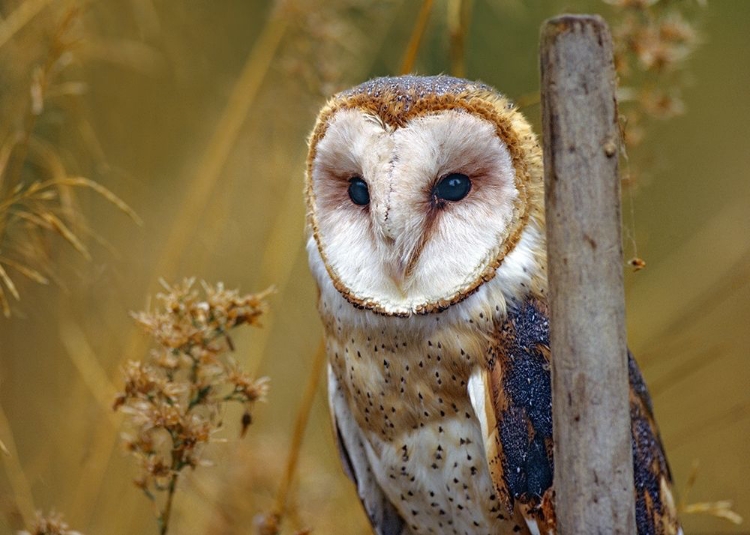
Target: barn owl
[426,240]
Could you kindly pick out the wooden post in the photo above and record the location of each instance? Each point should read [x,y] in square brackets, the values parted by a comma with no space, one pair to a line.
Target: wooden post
[593,479]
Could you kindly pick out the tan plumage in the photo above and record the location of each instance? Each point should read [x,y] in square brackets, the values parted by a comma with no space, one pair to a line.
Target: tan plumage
[425,213]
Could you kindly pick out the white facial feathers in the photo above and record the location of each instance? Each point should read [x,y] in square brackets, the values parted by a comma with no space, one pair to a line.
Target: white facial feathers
[406,249]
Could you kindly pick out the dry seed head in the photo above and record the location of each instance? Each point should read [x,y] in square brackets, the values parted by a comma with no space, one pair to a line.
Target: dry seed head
[174,400]
[50,524]
[652,42]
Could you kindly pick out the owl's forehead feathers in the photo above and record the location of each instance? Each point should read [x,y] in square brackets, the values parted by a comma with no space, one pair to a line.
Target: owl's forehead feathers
[395,100]
[410,86]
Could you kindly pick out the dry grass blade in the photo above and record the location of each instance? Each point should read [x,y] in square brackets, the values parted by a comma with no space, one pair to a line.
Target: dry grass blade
[44,154]
[16,477]
[687,368]
[66,233]
[19,18]
[84,494]
[32,218]
[25,270]
[5,152]
[679,312]
[40,81]
[36,191]
[209,170]
[4,303]
[4,449]
[88,232]
[132,54]
[420,26]
[41,191]
[721,509]
[300,425]
[85,361]
[730,416]
[282,249]
[9,283]
[689,484]
[101,190]
[459,17]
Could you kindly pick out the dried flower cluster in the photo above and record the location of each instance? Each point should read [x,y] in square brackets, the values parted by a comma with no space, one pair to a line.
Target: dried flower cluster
[653,40]
[51,524]
[174,401]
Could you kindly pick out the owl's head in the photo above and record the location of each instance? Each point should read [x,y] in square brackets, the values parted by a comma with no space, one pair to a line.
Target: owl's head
[419,189]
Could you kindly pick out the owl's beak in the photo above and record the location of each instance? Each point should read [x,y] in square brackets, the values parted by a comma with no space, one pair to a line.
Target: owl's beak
[401,242]
[398,275]
[403,263]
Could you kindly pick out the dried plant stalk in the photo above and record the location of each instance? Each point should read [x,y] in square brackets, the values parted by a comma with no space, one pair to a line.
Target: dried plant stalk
[23,500]
[242,97]
[420,27]
[459,18]
[270,524]
[175,399]
[19,18]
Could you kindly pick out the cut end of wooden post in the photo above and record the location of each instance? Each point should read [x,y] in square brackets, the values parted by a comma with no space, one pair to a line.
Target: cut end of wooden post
[563,24]
[555,27]
[568,22]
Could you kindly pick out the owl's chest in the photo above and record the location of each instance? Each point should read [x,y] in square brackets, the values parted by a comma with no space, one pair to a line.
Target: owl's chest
[397,382]
[408,394]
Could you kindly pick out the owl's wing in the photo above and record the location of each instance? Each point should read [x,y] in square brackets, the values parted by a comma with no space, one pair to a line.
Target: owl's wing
[512,397]
[383,516]
[655,509]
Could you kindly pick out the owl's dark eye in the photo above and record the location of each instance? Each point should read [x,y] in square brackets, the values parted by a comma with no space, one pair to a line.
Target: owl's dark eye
[453,187]
[358,192]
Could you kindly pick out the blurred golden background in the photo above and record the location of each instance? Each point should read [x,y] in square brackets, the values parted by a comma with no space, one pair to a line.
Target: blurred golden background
[196,115]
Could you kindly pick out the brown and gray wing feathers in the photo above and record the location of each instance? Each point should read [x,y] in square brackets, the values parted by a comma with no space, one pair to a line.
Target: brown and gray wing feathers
[512,397]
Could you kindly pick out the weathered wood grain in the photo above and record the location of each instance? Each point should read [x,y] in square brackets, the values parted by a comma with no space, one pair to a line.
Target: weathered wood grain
[593,458]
